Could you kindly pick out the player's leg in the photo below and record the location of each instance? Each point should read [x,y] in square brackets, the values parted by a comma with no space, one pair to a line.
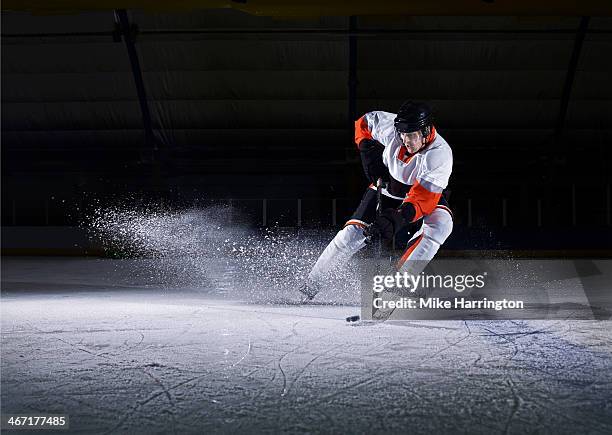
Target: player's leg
[425,243]
[348,240]
[421,248]
[343,246]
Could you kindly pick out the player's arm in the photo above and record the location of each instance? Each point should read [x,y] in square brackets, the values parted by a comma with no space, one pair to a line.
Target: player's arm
[370,149]
[422,198]
[420,201]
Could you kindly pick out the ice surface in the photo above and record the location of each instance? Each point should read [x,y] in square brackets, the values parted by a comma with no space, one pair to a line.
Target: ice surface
[123,351]
[188,337]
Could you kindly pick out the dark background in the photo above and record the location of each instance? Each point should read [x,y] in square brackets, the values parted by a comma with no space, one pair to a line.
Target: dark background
[249,108]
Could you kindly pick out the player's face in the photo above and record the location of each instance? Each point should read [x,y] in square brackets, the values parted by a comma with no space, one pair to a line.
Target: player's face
[412,141]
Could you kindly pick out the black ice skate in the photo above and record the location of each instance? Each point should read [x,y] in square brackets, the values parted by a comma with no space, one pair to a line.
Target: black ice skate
[382,314]
[308,291]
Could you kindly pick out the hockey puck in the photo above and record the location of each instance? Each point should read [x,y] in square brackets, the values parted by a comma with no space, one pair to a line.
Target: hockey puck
[352,319]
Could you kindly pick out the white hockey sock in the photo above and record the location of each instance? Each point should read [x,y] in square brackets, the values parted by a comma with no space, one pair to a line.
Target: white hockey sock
[343,246]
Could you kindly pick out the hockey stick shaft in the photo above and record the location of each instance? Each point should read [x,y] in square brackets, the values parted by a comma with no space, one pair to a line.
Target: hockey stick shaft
[378,253]
[379,186]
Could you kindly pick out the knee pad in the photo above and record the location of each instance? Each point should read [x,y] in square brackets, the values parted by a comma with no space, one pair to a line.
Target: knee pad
[438,226]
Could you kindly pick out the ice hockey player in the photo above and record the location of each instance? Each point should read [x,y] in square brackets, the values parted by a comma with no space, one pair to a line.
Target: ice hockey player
[415,162]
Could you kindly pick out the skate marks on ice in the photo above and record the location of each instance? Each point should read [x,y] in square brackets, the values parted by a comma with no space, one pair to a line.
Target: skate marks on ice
[118,365]
[200,248]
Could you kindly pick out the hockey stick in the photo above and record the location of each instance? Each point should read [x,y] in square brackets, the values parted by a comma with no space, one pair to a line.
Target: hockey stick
[377,317]
[378,250]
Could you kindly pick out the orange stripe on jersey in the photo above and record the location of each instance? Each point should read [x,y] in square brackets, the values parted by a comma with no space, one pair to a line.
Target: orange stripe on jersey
[355,222]
[409,251]
[423,200]
[361,130]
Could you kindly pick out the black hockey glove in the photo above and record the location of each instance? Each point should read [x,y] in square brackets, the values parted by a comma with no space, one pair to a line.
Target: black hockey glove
[385,226]
[371,159]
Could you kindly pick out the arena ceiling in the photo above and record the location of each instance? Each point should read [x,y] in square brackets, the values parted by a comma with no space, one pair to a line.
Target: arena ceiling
[281,8]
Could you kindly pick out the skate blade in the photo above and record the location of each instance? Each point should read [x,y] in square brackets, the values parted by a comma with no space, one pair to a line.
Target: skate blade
[382,315]
[363,322]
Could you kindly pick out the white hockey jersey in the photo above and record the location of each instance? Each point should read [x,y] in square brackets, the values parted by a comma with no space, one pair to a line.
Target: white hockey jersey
[431,167]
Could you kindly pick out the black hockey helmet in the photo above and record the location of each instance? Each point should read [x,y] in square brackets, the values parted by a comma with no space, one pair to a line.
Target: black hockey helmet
[413,116]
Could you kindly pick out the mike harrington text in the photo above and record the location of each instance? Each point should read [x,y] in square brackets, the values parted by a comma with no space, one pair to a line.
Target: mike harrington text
[447,304]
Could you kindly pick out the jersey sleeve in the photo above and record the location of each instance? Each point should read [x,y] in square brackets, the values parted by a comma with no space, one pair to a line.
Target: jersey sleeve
[362,130]
[379,126]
